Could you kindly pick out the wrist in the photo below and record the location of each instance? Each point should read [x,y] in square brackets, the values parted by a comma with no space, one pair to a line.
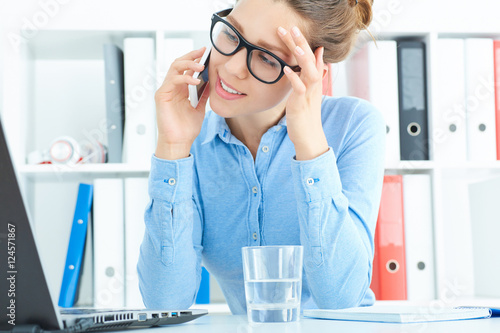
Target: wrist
[172,151]
[311,150]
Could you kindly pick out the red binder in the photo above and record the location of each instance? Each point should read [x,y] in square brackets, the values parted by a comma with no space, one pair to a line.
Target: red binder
[496,50]
[389,267]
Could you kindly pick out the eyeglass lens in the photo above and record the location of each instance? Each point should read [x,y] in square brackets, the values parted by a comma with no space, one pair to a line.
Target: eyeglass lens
[262,65]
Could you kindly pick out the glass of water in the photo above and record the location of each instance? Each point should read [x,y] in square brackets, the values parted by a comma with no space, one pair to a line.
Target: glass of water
[273,282]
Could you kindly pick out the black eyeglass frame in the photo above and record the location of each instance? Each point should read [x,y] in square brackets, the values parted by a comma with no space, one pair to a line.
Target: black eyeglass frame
[218,17]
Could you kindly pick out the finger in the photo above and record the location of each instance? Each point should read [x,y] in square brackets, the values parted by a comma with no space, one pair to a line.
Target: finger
[180,66]
[298,46]
[174,82]
[184,79]
[193,54]
[297,84]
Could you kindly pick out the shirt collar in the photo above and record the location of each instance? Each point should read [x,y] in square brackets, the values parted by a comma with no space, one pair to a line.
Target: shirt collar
[216,125]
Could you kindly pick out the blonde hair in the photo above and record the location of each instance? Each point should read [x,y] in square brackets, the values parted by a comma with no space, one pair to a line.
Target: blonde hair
[333,24]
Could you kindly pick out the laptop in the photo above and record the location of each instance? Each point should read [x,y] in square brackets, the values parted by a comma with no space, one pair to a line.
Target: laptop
[26,300]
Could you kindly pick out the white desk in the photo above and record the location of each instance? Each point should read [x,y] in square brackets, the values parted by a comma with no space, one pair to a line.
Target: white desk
[239,324]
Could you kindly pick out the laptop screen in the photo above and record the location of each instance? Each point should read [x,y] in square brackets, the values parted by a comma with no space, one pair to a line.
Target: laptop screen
[22,280]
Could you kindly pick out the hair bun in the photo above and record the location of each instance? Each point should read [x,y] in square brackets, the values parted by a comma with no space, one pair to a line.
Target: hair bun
[364,10]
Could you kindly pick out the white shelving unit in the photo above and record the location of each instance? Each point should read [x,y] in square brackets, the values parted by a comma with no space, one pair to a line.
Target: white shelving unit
[54,85]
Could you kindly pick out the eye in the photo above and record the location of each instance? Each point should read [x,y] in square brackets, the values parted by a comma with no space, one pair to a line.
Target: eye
[268,60]
[230,35]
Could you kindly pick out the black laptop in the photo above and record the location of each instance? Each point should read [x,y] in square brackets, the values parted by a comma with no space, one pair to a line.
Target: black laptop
[25,299]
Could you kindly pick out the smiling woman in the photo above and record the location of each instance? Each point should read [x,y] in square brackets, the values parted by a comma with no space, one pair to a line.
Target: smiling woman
[272,163]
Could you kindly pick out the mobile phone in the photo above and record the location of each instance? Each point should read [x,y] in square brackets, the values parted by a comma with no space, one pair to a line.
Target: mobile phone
[195,91]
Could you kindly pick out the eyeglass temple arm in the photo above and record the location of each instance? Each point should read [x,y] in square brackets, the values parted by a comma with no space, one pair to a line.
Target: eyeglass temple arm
[224,12]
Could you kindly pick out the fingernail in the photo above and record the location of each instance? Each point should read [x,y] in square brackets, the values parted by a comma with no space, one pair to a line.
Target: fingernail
[282,31]
[287,70]
[299,50]
[296,31]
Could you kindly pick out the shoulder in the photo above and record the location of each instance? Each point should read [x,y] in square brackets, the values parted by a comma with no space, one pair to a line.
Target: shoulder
[353,110]
[351,120]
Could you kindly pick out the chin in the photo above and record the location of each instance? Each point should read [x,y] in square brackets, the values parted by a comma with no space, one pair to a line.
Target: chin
[223,108]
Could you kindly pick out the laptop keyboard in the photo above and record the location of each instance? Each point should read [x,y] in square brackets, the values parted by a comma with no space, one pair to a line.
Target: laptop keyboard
[77,311]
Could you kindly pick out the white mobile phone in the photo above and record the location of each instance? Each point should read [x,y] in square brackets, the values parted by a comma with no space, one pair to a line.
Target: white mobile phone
[195,91]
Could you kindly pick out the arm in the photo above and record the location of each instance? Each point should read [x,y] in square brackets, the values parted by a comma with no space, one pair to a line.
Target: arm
[169,265]
[338,203]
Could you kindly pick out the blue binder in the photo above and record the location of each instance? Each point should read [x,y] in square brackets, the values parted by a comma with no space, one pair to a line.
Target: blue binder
[203,296]
[76,246]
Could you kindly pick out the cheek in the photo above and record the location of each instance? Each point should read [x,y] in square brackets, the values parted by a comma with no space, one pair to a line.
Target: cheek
[275,93]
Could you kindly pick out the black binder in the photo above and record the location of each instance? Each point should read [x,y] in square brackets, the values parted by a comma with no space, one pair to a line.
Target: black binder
[115,101]
[412,81]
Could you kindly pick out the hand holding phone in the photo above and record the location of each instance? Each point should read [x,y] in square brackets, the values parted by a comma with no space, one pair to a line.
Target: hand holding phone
[178,122]
[196,91]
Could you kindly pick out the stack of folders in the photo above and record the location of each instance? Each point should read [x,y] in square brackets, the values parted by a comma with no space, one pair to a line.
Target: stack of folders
[401,314]
[393,76]
[403,264]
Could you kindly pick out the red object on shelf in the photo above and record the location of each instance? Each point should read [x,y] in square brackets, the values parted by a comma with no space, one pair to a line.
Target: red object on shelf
[389,265]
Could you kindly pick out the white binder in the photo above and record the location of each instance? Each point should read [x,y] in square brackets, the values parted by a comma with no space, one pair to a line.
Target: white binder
[449,118]
[139,138]
[373,75]
[485,224]
[136,199]
[480,97]
[419,237]
[456,277]
[109,284]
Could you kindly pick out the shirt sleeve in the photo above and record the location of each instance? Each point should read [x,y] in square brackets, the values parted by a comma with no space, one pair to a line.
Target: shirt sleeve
[169,266]
[337,202]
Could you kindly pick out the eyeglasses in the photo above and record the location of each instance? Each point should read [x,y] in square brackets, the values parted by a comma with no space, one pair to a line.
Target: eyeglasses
[262,64]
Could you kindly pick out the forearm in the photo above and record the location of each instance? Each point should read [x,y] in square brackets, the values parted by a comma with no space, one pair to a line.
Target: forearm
[168,268]
[337,265]
[169,262]
[337,250]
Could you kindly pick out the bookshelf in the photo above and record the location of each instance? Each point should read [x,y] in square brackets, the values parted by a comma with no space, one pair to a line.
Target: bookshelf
[60,70]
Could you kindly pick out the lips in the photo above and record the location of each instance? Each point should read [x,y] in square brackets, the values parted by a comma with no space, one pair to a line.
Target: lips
[227,85]
[225,94]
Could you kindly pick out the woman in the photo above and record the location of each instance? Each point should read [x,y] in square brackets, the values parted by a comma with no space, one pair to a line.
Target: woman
[272,164]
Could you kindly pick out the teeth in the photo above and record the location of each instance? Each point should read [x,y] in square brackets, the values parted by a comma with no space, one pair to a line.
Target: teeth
[229,90]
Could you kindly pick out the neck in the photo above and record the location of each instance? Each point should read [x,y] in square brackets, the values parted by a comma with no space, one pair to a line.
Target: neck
[249,129]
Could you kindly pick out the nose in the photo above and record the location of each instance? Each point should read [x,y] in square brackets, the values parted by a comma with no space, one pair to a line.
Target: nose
[237,64]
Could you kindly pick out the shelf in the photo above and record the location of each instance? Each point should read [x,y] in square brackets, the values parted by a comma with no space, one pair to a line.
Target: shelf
[410,165]
[66,172]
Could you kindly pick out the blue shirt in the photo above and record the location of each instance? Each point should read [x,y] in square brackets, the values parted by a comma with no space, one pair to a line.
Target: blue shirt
[204,208]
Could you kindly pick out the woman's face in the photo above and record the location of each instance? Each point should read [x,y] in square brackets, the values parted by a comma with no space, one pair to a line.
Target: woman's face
[257,21]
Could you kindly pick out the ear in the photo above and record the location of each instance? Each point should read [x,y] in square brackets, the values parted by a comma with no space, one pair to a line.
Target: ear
[325,70]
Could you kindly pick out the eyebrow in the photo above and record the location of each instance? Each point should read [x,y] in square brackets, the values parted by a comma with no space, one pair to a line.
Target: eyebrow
[264,44]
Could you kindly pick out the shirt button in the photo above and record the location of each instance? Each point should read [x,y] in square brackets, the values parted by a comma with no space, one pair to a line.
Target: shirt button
[278,128]
[171,181]
[265,149]
[254,189]
[310,181]
[254,235]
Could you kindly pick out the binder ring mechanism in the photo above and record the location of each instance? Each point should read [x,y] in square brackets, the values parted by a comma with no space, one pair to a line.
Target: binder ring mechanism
[392,266]
[414,129]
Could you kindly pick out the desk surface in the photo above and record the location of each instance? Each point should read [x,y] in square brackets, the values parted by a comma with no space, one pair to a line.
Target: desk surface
[239,324]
